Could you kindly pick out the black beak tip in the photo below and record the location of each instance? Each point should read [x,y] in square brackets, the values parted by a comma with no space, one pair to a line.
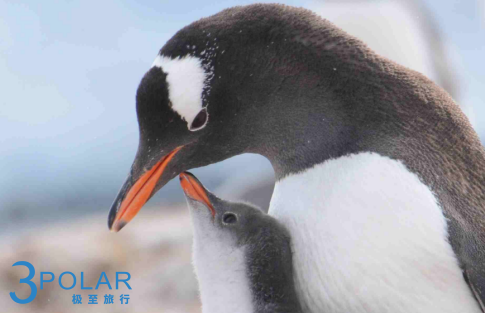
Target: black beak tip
[118,226]
[112,215]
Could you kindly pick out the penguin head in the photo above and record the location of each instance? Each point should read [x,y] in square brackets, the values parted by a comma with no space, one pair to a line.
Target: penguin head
[221,220]
[196,105]
[244,223]
[225,85]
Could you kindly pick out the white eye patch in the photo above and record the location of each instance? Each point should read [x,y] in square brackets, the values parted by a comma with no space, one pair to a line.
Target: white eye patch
[186,80]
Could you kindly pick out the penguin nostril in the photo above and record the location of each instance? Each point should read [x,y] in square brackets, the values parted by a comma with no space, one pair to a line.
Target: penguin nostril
[229,218]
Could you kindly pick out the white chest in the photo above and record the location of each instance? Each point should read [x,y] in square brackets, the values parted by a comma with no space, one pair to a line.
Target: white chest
[220,268]
[369,236]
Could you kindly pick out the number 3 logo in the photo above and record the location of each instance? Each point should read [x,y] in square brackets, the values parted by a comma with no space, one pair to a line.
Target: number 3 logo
[26,280]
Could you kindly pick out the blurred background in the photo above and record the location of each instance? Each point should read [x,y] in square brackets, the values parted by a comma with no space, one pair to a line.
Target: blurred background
[68,133]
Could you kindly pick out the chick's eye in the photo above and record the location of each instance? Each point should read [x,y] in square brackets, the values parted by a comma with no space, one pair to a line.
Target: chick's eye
[200,120]
[229,218]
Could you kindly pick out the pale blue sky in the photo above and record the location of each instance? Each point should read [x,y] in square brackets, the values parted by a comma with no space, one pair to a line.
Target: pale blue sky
[69,72]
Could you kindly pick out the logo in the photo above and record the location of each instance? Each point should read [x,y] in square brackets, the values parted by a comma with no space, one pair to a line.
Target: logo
[49,277]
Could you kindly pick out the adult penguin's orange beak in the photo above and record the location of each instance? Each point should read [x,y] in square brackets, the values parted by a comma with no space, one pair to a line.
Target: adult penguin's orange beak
[134,197]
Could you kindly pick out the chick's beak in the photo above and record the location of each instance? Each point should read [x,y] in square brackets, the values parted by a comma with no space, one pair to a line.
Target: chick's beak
[193,189]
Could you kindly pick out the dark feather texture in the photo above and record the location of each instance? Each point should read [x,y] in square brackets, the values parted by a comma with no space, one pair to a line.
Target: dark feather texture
[291,86]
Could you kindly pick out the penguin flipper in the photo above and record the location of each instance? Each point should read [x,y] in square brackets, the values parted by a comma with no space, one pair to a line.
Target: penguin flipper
[476,281]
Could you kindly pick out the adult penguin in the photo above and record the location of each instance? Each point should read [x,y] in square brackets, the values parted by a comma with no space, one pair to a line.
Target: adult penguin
[380,177]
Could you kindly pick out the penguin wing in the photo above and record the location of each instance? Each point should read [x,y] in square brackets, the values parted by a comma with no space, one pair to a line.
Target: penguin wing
[475,278]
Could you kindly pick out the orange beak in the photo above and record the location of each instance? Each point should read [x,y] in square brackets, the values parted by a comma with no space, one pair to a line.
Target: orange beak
[140,192]
[194,189]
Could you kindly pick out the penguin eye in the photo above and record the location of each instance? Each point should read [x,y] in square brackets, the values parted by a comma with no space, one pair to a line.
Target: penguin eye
[229,218]
[200,120]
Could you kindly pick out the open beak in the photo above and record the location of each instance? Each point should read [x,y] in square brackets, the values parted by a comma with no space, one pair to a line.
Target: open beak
[138,194]
[195,190]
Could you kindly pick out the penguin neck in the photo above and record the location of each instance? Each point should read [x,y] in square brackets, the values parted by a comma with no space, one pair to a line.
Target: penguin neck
[378,107]
[254,278]
[221,270]
[326,108]
[314,124]
[243,280]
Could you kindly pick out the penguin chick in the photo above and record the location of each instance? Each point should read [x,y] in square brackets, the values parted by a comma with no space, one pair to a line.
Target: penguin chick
[242,256]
